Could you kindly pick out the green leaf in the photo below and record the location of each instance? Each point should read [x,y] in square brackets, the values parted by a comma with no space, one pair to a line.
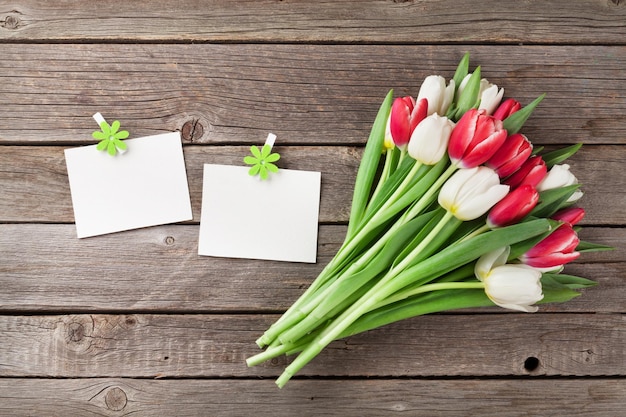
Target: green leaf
[514,122]
[563,280]
[592,247]
[560,155]
[462,253]
[469,96]
[551,201]
[461,70]
[369,164]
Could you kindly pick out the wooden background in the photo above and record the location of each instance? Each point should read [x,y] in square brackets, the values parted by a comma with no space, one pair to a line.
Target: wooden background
[137,323]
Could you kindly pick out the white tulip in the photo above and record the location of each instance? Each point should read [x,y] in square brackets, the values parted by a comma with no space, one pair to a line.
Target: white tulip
[470,193]
[438,95]
[515,287]
[490,95]
[429,141]
[560,176]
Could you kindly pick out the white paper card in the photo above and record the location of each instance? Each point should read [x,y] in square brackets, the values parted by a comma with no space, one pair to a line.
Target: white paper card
[246,217]
[145,186]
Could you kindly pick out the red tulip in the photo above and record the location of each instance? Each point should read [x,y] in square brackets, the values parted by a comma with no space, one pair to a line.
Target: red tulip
[514,207]
[511,155]
[507,108]
[555,250]
[475,138]
[404,117]
[532,172]
[570,215]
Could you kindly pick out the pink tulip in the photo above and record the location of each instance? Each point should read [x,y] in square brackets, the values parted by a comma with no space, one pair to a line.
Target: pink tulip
[475,138]
[507,108]
[404,117]
[514,207]
[511,155]
[570,215]
[555,250]
[532,172]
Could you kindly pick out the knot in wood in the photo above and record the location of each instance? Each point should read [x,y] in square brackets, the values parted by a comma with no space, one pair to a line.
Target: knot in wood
[192,130]
[169,241]
[75,332]
[115,399]
[11,22]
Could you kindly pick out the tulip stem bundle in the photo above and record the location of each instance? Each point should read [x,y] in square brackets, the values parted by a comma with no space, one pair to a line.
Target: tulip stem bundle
[461,215]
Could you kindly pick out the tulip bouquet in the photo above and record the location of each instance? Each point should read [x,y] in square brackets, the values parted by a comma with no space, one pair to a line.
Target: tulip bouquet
[461,212]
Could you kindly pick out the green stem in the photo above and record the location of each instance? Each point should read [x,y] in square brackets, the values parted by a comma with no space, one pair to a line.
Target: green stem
[374,296]
[385,174]
[437,286]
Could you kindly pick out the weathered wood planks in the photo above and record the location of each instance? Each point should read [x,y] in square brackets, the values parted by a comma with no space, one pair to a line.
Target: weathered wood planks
[306,94]
[45,268]
[34,185]
[598,397]
[465,21]
[216,346]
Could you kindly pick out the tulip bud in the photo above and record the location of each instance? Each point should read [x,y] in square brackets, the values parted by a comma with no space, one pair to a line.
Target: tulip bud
[515,287]
[470,193]
[438,95]
[400,120]
[488,93]
[514,207]
[571,215]
[429,140]
[507,108]
[475,138]
[532,172]
[557,249]
[511,155]
[560,176]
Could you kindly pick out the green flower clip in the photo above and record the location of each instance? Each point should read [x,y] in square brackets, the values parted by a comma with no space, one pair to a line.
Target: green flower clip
[261,161]
[110,137]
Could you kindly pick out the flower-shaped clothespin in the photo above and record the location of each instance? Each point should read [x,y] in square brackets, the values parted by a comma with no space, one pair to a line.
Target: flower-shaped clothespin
[110,137]
[262,160]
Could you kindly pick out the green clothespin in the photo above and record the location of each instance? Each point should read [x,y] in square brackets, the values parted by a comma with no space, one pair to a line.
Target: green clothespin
[262,160]
[110,137]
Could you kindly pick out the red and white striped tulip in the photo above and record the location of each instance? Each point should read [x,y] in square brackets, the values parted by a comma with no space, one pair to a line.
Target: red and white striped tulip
[514,207]
[475,138]
[511,155]
[532,172]
[507,108]
[557,249]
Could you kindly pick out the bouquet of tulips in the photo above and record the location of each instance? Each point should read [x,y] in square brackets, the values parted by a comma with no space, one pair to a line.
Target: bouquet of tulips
[462,213]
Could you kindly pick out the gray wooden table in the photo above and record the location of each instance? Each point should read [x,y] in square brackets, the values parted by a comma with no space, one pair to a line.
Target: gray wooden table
[137,323]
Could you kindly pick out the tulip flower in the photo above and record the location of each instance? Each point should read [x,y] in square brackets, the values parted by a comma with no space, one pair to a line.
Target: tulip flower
[404,116]
[532,172]
[489,94]
[507,108]
[560,176]
[514,207]
[438,95]
[470,193]
[475,139]
[570,215]
[429,140]
[557,249]
[511,155]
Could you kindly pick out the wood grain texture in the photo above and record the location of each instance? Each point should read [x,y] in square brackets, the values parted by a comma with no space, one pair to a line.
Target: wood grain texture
[216,346]
[45,268]
[434,22]
[597,397]
[306,94]
[34,185]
